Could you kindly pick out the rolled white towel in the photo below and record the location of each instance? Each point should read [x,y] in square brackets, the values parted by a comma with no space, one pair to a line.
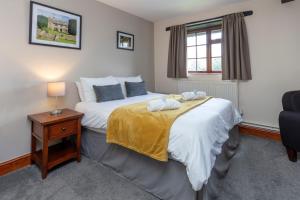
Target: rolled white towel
[200,95]
[188,95]
[195,95]
[163,104]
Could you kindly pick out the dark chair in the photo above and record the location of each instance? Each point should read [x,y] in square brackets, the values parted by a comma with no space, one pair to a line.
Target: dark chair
[289,122]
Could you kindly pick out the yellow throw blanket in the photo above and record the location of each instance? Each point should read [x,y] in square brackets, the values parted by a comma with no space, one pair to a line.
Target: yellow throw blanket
[134,127]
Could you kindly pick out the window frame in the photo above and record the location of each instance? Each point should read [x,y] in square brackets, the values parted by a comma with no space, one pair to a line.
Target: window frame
[208,44]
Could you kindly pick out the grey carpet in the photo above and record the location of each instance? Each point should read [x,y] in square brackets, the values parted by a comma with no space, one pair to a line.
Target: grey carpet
[260,170]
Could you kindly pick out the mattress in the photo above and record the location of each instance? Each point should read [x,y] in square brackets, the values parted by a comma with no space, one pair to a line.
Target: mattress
[96,114]
[196,137]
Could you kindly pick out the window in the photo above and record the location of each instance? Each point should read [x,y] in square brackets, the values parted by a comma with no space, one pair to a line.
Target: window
[204,50]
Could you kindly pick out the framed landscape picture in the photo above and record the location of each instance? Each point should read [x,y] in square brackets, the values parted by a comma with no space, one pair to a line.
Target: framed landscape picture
[54,27]
[125,41]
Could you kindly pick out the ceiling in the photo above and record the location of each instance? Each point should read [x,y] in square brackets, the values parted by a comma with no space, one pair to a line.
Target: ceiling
[155,10]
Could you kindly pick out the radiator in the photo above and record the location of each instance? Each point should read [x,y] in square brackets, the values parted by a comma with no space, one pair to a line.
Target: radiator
[216,88]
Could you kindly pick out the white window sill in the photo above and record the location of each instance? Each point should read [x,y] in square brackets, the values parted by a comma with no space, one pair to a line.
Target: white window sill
[205,76]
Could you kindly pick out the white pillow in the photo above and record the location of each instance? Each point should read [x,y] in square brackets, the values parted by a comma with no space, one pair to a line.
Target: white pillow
[87,86]
[122,80]
[80,92]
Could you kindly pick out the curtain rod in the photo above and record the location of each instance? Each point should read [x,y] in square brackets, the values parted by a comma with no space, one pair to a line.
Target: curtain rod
[246,13]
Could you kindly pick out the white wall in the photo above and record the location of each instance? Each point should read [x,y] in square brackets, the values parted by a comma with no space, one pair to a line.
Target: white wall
[25,69]
[274,49]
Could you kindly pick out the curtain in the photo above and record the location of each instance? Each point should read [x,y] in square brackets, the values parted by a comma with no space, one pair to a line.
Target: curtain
[235,48]
[177,52]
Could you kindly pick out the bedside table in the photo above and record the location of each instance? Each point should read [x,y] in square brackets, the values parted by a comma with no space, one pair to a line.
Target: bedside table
[45,128]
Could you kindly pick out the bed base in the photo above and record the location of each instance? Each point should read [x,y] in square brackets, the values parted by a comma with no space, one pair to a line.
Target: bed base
[165,180]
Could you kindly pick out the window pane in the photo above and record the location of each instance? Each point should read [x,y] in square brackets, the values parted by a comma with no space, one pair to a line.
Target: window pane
[216,64]
[216,50]
[191,64]
[191,39]
[201,51]
[216,34]
[191,52]
[201,65]
[201,38]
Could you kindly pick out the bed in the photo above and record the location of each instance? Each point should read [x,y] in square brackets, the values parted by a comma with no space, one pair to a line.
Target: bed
[201,144]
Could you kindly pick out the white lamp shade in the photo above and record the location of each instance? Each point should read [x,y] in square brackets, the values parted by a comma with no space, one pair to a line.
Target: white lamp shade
[56,89]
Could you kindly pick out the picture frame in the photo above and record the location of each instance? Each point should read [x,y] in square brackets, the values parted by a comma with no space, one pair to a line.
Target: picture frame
[54,27]
[125,41]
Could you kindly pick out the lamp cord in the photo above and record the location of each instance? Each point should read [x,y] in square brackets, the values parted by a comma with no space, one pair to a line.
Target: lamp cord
[56,100]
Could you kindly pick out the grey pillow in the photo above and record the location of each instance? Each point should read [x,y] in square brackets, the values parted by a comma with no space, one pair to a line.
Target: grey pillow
[108,92]
[135,88]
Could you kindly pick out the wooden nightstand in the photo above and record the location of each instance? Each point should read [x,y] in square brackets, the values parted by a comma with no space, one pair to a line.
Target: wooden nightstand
[46,127]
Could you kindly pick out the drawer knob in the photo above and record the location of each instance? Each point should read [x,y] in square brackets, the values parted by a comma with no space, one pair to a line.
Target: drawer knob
[63,129]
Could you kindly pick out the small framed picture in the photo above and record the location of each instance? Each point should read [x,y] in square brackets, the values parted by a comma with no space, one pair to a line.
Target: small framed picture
[125,41]
[51,26]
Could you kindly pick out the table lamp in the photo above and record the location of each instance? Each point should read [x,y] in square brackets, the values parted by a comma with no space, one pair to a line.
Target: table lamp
[56,89]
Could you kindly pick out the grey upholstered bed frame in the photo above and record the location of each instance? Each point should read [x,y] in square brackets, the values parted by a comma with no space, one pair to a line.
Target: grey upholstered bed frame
[166,181]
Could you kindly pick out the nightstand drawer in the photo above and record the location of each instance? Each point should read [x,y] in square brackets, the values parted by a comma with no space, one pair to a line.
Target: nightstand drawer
[63,129]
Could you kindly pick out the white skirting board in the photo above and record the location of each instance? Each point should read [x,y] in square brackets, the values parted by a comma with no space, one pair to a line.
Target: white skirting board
[271,128]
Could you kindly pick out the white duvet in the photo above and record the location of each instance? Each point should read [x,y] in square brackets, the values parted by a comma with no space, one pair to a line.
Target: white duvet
[196,137]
